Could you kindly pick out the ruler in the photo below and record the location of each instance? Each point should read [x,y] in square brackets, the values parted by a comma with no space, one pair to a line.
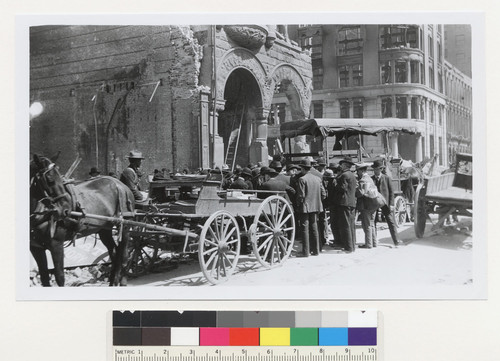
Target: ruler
[257,353]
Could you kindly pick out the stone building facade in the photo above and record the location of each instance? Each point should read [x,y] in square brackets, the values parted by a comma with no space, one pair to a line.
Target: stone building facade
[386,71]
[176,93]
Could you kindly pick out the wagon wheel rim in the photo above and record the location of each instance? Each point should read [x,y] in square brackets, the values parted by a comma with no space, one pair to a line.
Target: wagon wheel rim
[219,247]
[399,210]
[143,250]
[273,232]
[420,212]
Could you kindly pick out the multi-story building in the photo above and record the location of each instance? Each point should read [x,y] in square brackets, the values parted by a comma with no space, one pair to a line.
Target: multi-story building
[388,71]
[186,96]
[458,44]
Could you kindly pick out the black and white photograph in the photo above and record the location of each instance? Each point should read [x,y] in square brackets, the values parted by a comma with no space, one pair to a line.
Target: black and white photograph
[329,160]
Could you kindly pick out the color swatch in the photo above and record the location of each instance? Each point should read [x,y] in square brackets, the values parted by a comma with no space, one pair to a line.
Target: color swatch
[245,328]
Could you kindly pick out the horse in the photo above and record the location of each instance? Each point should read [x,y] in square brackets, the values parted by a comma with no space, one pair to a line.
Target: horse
[51,223]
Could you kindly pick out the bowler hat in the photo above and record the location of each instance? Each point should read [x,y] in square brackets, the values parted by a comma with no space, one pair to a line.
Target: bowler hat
[276,164]
[134,154]
[292,166]
[272,172]
[346,160]
[264,170]
[333,166]
[328,173]
[305,163]
[321,161]
[378,164]
[94,171]
[247,172]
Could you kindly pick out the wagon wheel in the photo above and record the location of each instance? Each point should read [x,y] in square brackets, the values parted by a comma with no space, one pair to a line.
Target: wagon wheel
[219,247]
[420,211]
[142,250]
[273,232]
[399,210]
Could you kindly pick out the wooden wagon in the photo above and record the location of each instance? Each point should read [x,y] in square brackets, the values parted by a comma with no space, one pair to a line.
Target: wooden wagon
[215,222]
[446,195]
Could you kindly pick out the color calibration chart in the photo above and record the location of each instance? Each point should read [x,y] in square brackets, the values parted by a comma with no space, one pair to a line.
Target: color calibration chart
[246,336]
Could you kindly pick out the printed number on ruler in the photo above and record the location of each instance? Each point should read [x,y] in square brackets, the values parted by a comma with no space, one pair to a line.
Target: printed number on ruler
[234,353]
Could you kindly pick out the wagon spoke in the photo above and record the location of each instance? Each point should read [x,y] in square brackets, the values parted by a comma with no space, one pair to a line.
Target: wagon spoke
[233,241]
[282,223]
[214,236]
[209,251]
[229,234]
[228,224]
[212,243]
[280,241]
[268,220]
[287,241]
[221,227]
[265,225]
[281,213]
[265,242]
[210,259]
[264,234]
[287,229]
[268,248]
[223,264]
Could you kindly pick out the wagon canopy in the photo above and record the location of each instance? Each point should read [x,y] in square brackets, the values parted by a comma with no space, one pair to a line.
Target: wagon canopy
[327,127]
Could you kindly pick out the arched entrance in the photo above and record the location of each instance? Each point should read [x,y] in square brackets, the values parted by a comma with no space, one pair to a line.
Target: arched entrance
[236,124]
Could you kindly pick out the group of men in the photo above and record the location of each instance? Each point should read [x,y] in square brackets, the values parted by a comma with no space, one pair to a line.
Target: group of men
[313,188]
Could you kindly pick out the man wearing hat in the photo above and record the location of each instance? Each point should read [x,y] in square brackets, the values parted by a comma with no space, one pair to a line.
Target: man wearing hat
[243,180]
[384,186]
[94,173]
[271,183]
[310,194]
[130,176]
[367,204]
[318,170]
[345,205]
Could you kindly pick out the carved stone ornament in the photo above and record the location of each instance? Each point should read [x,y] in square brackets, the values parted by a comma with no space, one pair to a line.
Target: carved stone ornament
[247,36]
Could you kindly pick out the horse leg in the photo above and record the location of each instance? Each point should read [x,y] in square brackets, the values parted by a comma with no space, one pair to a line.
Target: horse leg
[40,257]
[57,251]
[106,236]
[122,260]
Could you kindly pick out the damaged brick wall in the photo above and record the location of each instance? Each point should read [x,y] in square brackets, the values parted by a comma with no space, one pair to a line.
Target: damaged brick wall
[104,78]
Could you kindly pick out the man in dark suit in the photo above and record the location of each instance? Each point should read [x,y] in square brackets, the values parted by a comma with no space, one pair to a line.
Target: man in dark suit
[310,194]
[345,205]
[271,183]
[319,170]
[384,186]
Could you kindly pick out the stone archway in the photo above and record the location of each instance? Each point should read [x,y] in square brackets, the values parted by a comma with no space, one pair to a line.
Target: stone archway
[285,79]
[237,123]
[298,90]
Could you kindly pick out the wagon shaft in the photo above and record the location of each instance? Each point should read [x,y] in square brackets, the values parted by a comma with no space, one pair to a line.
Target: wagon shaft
[153,227]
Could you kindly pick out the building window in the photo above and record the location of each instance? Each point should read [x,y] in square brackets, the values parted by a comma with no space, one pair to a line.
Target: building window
[412,37]
[422,109]
[318,109]
[440,50]
[440,115]
[386,107]
[414,65]
[431,47]
[431,145]
[401,76]
[414,108]
[431,111]
[385,73]
[357,75]
[344,108]
[317,69]
[357,108]
[350,41]
[401,107]
[421,37]
[431,77]
[440,82]
[343,76]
